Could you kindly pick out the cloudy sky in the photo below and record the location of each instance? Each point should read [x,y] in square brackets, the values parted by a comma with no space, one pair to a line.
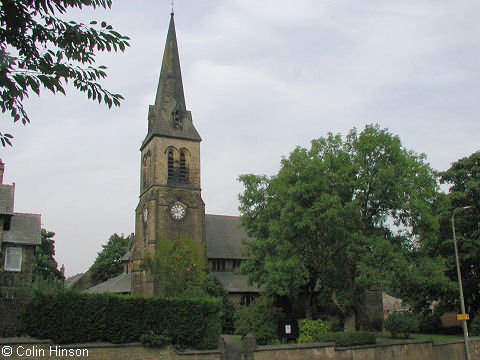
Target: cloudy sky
[260,78]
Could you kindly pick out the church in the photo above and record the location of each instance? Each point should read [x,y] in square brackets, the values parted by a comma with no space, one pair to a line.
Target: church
[170,202]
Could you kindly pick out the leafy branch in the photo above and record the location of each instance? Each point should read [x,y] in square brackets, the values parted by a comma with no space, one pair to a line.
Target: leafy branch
[39,49]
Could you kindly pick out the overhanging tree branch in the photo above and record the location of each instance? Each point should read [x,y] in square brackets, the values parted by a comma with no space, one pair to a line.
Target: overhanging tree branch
[39,49]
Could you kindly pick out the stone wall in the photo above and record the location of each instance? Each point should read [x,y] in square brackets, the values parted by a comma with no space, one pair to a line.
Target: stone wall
[36,350]
[318,351]
[408,350]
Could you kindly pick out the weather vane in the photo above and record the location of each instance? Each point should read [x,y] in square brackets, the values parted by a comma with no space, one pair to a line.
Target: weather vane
[172,3]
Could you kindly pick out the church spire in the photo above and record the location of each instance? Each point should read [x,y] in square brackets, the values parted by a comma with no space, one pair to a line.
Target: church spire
[169,117]
[170,86]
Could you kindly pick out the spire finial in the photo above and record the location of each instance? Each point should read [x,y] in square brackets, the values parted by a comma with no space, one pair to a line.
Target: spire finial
[172,3]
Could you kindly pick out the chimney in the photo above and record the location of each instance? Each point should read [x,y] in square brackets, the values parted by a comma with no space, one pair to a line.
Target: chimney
[2,169]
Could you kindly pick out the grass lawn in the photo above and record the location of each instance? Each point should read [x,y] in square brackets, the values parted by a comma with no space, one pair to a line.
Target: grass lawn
[236,338]
[385,337]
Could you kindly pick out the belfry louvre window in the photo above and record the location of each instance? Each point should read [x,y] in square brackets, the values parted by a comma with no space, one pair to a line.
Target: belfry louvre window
[247,300]
[13,259]
[183,168]
[171,169]
[218,265]
[177,122]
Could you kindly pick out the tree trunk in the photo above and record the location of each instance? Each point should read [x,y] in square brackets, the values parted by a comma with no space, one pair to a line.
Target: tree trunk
[350,322]
[308,306]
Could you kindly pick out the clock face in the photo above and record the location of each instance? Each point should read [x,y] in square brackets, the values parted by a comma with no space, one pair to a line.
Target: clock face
[177,211]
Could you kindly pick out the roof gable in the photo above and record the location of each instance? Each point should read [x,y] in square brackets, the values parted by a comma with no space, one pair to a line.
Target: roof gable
[25,229]
[224,235]
[119,284]
[6,199]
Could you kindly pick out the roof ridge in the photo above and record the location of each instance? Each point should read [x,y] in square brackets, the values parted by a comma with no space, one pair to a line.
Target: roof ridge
[233,216]
[24,213]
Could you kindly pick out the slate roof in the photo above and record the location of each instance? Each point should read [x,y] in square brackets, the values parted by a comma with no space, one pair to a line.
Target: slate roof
[224,236]
[25,229]
[6,198]
[126,256]
[170,97]
[72,279]
[235,283]
[119,284]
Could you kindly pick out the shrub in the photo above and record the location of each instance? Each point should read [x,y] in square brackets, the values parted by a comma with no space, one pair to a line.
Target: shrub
[375,323]
[69,317]
[430,323]
[212,287]
[348,338]
[311,330]
[401,323]
[227,316]
[153,340]
[475,326]
[260,319]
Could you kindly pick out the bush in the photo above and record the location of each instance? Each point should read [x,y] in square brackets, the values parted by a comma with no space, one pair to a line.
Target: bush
[475,326]
[260,319]
[70,317]
[227,316]
[430,323]
[401,323]
[153,340]
[310,330]
[212,287]
[375,323]
[351,338]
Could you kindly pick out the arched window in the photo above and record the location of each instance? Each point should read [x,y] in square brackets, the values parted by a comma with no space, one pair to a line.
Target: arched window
[171,169]
[183,168]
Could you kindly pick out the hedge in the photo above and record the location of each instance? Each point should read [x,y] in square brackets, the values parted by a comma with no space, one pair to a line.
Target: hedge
[311,330]
[71,317]
[348,338]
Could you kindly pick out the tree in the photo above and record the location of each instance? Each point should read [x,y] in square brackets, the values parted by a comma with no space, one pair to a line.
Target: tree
[107,264]
[401,323]
[179,269]
[464,179]
[207,285]
[44,264]
[178,266]
[338,218]
[37,47]
[260,319]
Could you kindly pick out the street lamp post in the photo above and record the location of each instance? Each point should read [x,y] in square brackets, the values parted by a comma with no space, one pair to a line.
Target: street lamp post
[462,303]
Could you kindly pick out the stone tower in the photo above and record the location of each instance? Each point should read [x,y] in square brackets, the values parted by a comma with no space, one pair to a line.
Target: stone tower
[170,195]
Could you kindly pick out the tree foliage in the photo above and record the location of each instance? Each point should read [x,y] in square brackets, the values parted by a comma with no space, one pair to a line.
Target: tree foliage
[44,264]
[463,177]
[260,318]
[107,264]
[39,48]
[340,217]
[401,322]
[178,266]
